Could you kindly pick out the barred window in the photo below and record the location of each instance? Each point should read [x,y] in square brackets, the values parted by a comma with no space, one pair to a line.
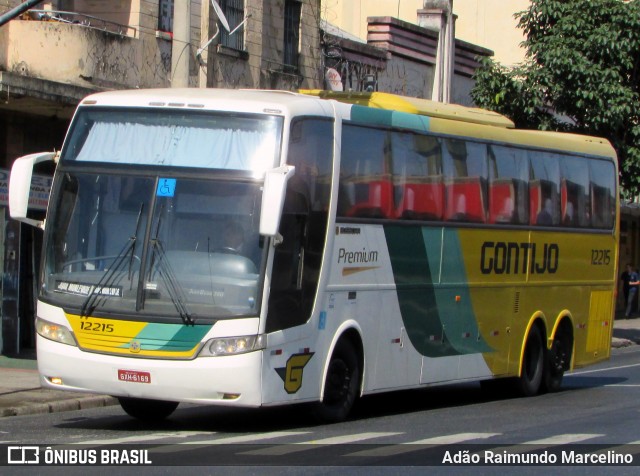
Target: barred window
[234,11]
[292,11]
[165,15]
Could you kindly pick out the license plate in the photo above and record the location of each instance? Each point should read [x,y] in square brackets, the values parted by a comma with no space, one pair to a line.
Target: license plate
[134,376]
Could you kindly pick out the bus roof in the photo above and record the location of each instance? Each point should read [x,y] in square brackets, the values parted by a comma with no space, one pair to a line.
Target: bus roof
[423,107]
[471,122]
[447,118]
[241,100]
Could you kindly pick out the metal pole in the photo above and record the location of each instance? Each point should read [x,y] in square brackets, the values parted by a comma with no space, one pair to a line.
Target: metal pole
[202,55]
[181,48]
[438,15]
[14,12]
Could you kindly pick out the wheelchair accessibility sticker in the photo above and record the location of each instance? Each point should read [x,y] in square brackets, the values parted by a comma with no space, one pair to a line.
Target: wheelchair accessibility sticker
[166,187]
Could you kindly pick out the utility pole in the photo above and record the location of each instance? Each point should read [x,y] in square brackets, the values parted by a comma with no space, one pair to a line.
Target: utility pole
[181,48]
[438,15]
[207,25]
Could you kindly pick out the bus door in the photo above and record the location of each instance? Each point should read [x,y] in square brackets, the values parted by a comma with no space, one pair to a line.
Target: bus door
[297,263]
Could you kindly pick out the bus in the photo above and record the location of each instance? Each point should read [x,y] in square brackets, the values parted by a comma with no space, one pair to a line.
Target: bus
[259,248]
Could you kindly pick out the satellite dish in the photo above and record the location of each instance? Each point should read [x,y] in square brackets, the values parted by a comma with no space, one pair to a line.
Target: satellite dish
[225,25]
[220,14]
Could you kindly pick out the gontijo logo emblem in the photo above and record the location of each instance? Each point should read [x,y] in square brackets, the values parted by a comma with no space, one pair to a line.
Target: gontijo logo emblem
[292,373]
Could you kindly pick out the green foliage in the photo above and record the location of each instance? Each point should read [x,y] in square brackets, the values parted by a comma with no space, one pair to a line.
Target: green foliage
[583,65]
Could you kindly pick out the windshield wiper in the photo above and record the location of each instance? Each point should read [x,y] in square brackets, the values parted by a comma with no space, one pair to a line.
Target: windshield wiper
[134,239]
[174,289]
[90,302]
[106,280]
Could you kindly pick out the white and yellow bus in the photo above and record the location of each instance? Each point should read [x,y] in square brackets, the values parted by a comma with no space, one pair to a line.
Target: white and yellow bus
[254,248]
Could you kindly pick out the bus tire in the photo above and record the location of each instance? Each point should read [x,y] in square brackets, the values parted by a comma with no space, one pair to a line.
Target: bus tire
[341,384]
[557,361]
[147,410]
[533,365]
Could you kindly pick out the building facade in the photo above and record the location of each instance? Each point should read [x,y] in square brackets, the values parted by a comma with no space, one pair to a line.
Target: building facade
[398,57]
[489,24]
[423,56]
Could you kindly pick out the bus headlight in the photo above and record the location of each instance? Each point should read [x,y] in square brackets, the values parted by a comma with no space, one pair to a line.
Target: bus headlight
[55,332]
[232,345]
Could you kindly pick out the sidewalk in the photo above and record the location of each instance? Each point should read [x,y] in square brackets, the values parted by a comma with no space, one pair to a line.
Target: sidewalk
[626,332]
[21,394]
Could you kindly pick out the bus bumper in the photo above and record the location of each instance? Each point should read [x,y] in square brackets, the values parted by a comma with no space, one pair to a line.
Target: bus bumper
[228,380]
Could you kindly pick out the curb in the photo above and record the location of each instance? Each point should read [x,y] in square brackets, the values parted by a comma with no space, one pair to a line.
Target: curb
[619,342]
[65,405]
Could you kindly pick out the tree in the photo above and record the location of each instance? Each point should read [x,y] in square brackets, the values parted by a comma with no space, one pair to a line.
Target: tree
[581,74]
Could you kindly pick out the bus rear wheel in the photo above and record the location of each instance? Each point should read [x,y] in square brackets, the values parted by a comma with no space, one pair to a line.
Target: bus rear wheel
[147,410]
[533,365]
[341,384]
[558,358]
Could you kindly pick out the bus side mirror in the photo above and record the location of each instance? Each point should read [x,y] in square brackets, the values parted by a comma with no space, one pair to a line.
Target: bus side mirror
[20,186]
[275,189]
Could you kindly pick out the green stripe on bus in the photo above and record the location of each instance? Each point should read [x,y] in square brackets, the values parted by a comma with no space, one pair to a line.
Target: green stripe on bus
[170,337]
[416,295]
[454,299]
[370,115]
[437,322]
[187,337]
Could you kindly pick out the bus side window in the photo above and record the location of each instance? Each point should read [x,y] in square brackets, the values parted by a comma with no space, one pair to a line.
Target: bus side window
[603,193]
[366,189]
[535,201]
[574,202]
[465,168]
[417,177]
[508,177]
[544,188]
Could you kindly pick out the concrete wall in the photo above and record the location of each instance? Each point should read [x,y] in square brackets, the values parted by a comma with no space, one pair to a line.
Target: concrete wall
[80,56]
[414,79]
[407,78]
[411,52]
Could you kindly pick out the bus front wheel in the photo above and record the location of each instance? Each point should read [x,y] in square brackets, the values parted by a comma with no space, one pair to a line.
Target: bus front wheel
[341,384]
[147,410]
[533,367]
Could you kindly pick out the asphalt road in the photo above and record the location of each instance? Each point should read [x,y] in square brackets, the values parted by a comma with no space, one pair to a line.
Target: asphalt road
[596,411]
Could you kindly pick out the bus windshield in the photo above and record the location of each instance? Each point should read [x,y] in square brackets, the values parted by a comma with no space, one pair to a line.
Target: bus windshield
[134,232]
[175,247]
